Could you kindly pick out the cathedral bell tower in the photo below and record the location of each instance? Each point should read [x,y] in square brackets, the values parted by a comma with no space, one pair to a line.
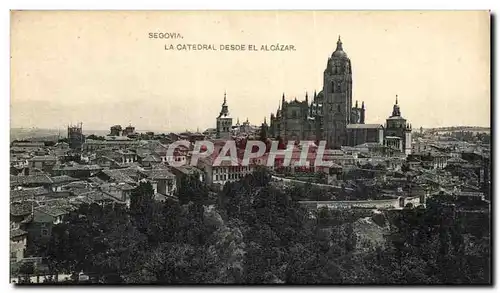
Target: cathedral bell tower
[224,121]
[337,90]
[398,131]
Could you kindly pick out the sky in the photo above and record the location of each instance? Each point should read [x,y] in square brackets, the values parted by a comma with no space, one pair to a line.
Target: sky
[101,68]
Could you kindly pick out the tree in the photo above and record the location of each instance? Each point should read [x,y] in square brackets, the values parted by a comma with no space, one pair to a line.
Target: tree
[192,189]
[95,137]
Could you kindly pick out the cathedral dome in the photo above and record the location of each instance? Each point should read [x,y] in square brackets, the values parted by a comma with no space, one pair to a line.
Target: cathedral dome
[339,51]
[339,54]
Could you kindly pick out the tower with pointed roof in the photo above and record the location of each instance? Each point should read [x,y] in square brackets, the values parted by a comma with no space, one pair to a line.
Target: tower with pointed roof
[224,121]
[398,131]
[329,114]
[337,91]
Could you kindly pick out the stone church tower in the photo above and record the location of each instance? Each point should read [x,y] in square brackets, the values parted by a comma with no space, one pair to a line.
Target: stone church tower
[337,91]
[398,131]
[224,121]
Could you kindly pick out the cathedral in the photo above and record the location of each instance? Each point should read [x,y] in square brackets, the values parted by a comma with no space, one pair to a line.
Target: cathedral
[331,115]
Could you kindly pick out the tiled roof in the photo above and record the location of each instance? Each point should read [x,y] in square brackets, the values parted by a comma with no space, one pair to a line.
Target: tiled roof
[96,180]
[151,158]
[79,191]
[21,208]
[60,204]
[334,152]
[26,193]
[81,199]
[52,211]
[132,171]
[369,145]
[98,196]
[125,152]
[363,126]
[77,167]
[143,152]
[30,179]
[43,159]
[76,184]
[187,170]
[125,186]
[132,164]
[119,176]
[63,179]
[160,174]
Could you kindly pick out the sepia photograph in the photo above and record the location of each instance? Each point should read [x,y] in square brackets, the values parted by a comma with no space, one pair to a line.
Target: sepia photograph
[266,147]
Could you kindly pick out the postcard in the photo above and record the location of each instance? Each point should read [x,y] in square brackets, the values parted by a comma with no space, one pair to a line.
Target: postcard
[250,147]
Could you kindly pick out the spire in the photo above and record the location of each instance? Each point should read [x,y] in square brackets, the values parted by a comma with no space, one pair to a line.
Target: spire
[395,109]
[339,45]
[362,104]
[224,109]
[283,101]
[307,99]
[356,104]
[265,120]
[314,98]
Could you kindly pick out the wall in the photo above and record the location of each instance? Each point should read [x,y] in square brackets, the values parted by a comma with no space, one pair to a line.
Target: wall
[396,203]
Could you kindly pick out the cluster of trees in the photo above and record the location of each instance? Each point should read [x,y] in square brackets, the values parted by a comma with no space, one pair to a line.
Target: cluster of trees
[95,137]
[255,232]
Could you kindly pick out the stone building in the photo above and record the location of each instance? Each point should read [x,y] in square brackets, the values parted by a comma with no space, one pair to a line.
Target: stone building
[129,130]
[296,120]
[337,89]
[224,121]
[398,131]
[358,134]
[330,111]
[115,130]
[75,137]
[331,116]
